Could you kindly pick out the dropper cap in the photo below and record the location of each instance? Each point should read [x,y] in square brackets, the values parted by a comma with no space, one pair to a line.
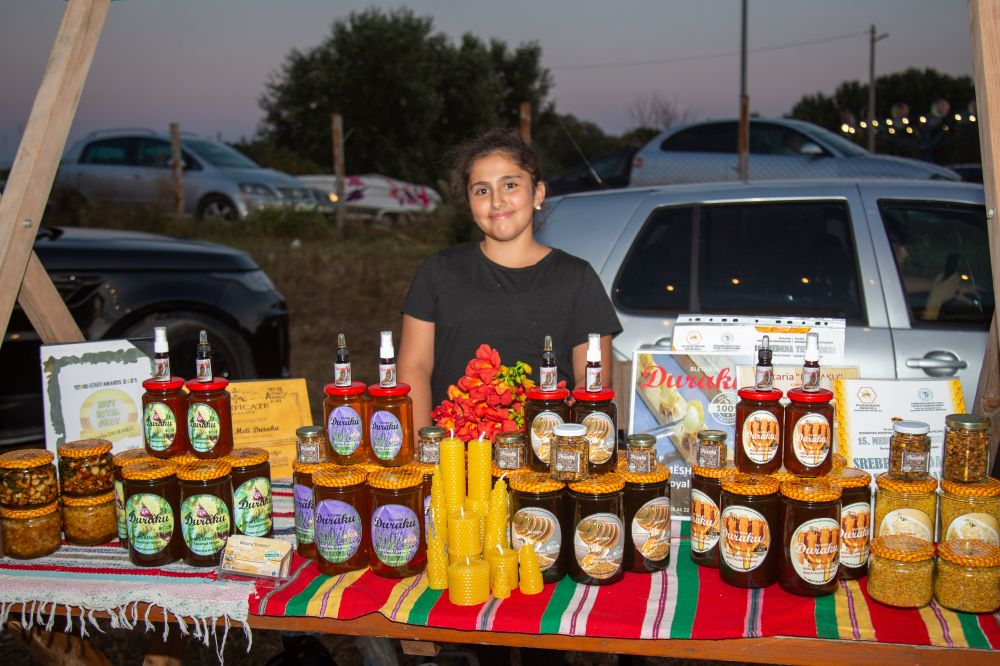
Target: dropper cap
[203,345]
[386,350]
[764,353]
[594,348]
[548,344]
[812,346]
[160,340]
[341,341]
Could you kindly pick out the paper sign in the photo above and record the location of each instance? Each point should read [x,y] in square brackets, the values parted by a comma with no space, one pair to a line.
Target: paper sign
[673,396]
[866,407]
[94,390]
[787,377]
[739,335]
[266,414]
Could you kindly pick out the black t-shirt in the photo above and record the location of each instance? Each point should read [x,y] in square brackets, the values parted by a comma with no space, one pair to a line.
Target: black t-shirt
[472,300]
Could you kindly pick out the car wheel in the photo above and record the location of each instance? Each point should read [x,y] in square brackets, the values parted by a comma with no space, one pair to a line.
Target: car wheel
[217,207]
[232,357]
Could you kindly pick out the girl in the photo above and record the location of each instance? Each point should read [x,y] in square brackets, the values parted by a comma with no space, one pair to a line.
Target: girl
[507,290]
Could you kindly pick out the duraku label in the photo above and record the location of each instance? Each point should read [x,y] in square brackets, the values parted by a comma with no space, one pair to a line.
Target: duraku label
[547,378]
[704,522]
[599,544]
[205,524]
[744,538]
[509,457]
[708,456]
[907,521]
[980,526]
[811,440]
[203,427]
[386,435]
[760,437]
[160,425]
[651,529]
[120,510]
[342,374]
[568,461]
[914,462]
[302,496]
[395,534]
[855,530]
[541,529]
[252,509]
[338,531]
[344,430]
[601,436]
[541,433]
[814,550]
[150,523]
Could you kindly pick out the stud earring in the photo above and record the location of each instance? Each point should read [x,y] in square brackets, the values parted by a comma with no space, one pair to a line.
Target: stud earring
[538,207]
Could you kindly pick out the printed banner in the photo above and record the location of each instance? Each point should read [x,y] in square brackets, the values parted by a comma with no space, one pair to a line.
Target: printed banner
[739,335]
[265,414]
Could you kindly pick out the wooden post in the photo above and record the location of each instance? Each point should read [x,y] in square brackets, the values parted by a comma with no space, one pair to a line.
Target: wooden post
[525,124]
[34,170]
[177,170]
[984,21]
[743,135]
[337,122]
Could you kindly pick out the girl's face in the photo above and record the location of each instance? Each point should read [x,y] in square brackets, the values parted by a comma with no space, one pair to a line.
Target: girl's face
[502,198]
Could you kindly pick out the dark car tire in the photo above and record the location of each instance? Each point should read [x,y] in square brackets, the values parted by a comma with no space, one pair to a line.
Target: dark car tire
[232,357]
[217,207]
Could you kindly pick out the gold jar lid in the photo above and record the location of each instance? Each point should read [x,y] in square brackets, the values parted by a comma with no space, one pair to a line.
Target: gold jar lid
[534,482]
[839,461]
[658,474]
[93,500]
[511,437]
[599,485]
[22,514]
[369,468]
[921,487]
[712,435]
[395,479]
[970,553]
[425,469]
[989,487]
[248,457]
[206,470]
[340,477]
[810,490]
[967,422]
[148,470]
[750,484]
[84,448]
[431,432]
[312,468]
[849,477]
[783,475]
[715,472]
[643,440]
[185,459]
[25,458]
[902,548]
[123,458]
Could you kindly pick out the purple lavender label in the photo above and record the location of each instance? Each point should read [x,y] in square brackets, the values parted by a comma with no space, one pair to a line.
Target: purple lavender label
[386,435]
[344,428]
[395,534]
[338,531]
[304,514]
[428,523]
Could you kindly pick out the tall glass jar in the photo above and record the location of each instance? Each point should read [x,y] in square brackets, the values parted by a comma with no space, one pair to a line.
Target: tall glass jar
[27,479]
[426,472]
[345,412]
[759,420]
[152,513]
[397,549]
[569,453]
[390,426]
[596,410]
[541,516]
[706,497]
[901,571]
[429,445]
[968,576]
[509,450]
[811,537]
[905,507]
[909,450]
[543,411]
[855,520]
[343,513]
[808,432]
[119,460]
[253,512]
[209,418]
[966,448]
[598,530]
[647,520]
[206,511]
[30,533]
[971,511]
[711,450]
[748,553]
[86,467]
[89,521]
[164,418]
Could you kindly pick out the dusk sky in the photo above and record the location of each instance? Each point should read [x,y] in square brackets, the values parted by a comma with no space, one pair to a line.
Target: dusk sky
[204,63]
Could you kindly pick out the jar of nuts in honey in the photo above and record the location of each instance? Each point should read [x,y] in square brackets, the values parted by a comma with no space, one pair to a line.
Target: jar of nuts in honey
[85,467]
[570,453]
[429,445]
[909,450]
[901,571]
[27,479]
[509,449]
[968,576]
[971,511]
[966,448]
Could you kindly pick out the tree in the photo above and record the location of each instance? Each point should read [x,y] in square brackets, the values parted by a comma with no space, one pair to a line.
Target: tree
[655,112]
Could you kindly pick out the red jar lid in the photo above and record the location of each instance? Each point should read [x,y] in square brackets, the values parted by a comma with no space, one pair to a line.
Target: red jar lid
[168,385]
[603,395]
[354,389]
[216,384]
[377,391]
[821,395]
[753,393]
[536,393]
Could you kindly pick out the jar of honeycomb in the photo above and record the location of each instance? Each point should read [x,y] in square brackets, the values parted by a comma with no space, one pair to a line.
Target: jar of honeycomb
[968,576]
[31,533]
[27,479]
[901,571]
[971,511]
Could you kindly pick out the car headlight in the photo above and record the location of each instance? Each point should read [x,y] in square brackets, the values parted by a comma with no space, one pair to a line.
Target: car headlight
[256,189]
[253,280]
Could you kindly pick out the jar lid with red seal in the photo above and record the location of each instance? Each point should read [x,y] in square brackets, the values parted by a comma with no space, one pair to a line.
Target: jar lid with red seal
[604,395]
[377,391]
[354,388]
[536,393]
[171,384]
[217,384]
[819,395]
[753,393]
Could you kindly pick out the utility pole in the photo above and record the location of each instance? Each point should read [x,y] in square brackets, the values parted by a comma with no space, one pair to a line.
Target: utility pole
[337,132]
[525,122]
[177,170]
[871,86]
[744,133]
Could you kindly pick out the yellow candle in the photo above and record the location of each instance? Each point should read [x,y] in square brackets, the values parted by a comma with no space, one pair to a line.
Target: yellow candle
[468,582]
[439,512]
[502,588]
[530,572]
[463,535]
[480,466]
[452,456]
[496,518]
[437,564]
[503,566]
[480,509]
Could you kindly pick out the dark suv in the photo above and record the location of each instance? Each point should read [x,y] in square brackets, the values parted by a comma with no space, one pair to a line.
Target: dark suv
[119,284]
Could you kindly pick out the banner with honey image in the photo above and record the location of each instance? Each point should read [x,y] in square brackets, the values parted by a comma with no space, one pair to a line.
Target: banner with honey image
[744,538]
[598,544]
[815,550]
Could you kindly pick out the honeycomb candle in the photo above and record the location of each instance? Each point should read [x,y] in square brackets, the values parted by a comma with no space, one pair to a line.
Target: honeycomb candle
[469,582]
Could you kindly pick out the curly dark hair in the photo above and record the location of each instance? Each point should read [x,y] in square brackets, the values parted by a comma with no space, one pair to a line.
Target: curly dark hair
[496,140]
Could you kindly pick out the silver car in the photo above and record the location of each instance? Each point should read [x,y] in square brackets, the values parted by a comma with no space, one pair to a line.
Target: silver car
[906,263]
[132,167]
[779,149]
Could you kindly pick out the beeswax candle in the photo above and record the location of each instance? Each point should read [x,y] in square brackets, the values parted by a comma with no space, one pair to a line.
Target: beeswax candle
[463,535]
[468,582]
[530,572]
[502,588]
[480,465]
[437,564]
[503,564]
[452,456]
[480,509]
[496,518]
[439,513]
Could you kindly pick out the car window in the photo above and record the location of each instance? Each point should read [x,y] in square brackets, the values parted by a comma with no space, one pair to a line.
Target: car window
[656,274]
[120,152]
[154,153]
[219,154]
[942,254]
[710,138]
[768,139]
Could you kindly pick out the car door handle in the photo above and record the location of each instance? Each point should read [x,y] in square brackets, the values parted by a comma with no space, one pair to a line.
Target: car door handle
[664,342]
[936,364]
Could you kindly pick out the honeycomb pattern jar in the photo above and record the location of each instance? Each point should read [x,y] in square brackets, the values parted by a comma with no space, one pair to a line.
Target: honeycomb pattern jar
[971,511]
[968,576]
[901,571]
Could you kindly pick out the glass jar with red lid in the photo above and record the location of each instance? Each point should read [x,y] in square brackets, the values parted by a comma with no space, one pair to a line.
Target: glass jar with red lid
[759,421]
[596,410]
[390,425]
[209,418]
[809,432]
[543,411]
[345,412]
[164,414]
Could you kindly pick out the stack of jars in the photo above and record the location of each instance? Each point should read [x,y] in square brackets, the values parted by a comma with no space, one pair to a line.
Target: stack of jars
[198,422]
[30,520]
[371,424]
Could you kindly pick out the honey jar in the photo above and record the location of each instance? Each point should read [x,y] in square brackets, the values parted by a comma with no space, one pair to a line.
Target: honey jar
[206,511]
[342,515]
[89,521]
[152,512]
[905,507]
[209,418]
[640,453]
[390,425]
[509,450]
[164,417]
[808,432]
[345,412]
[543,411]
[27,479]
[855,520]
[596,410]
[30,533]
[397,549]
[759,421]
[901,571]
[706,496]
[971,510]
[568,460]
[302,499]
[253,512]
[426,472]
[541,516]
[598,512]
[711,449]
[810,510]
[909,450]
[429,444]
[647,519]
[85,467]
[968,576]
[748,556]
[966,448]
[311,446]
[119,460]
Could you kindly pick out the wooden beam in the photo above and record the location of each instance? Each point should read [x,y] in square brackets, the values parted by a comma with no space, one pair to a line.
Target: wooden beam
[45,307]
[38,155]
